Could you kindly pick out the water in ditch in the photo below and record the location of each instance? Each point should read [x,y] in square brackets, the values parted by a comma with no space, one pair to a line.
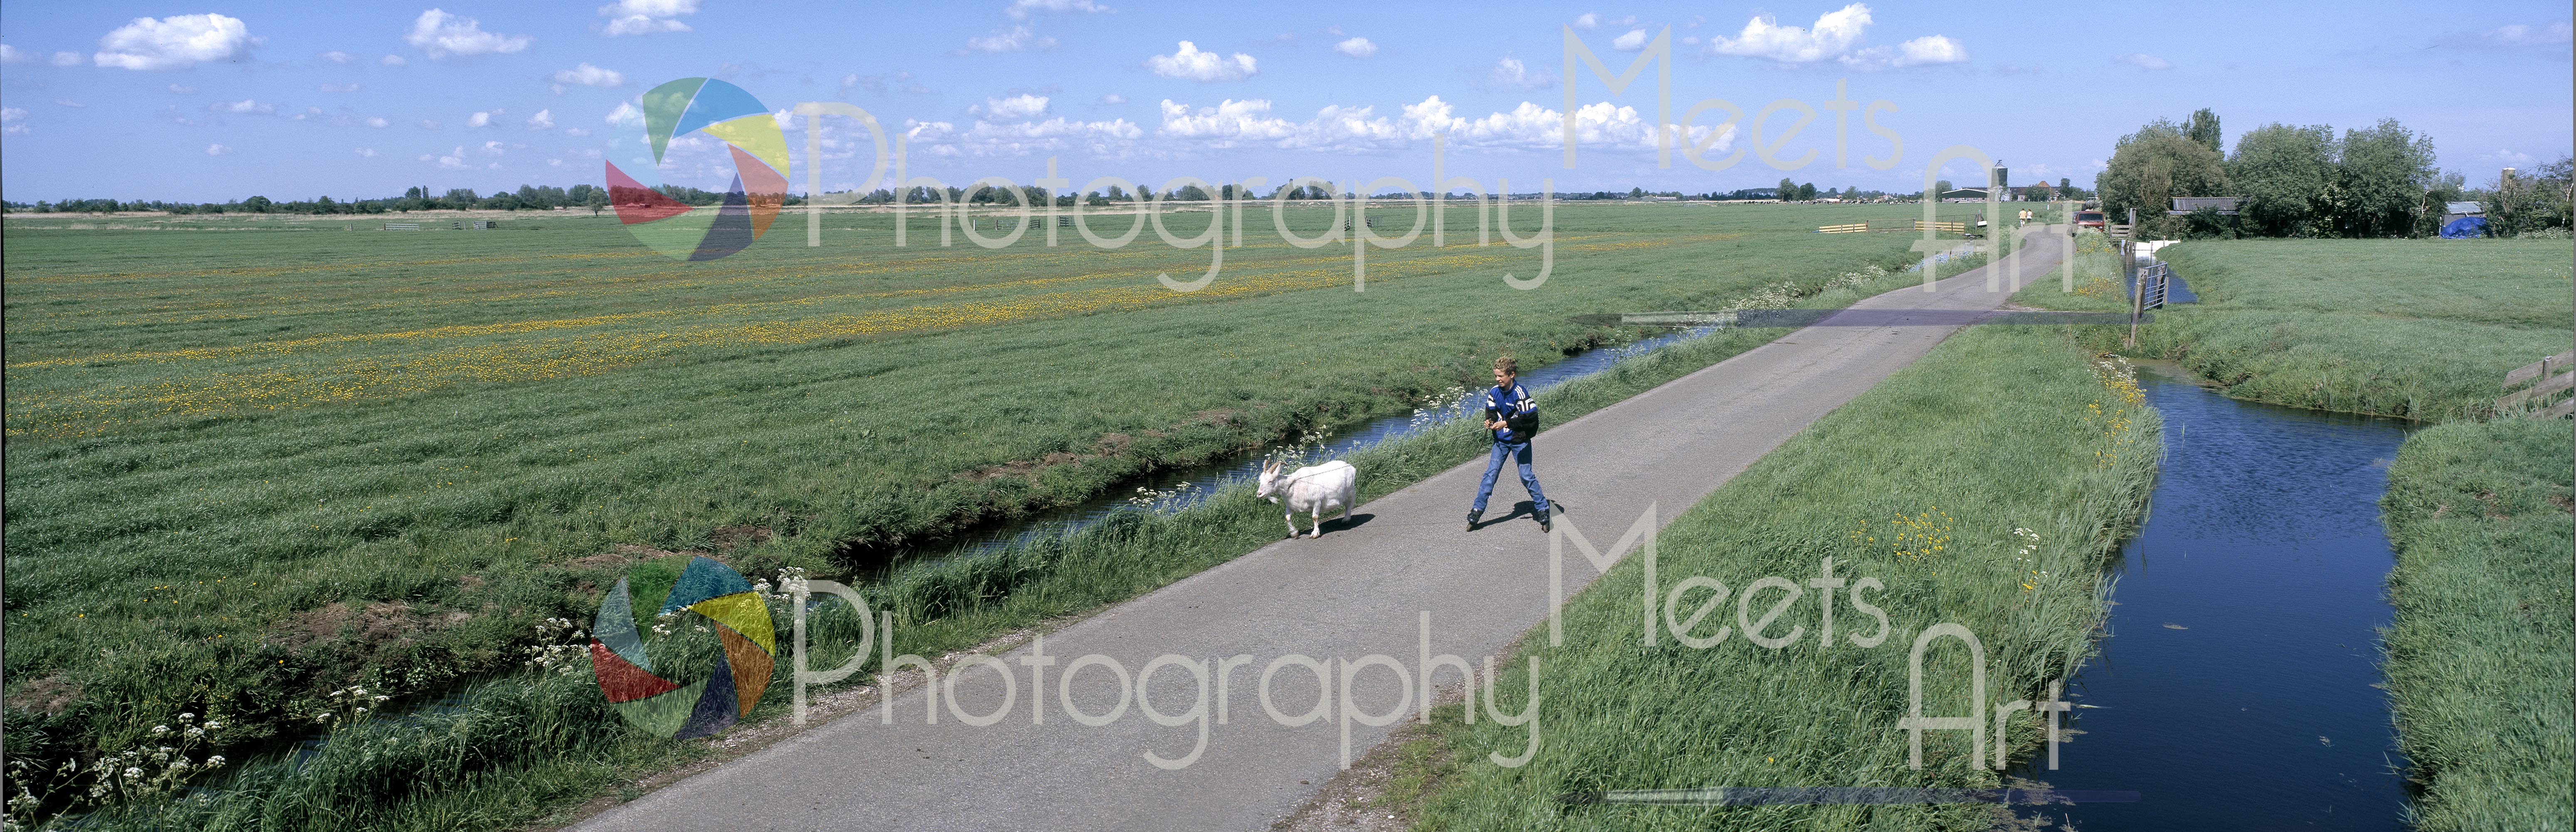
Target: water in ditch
[2239,685]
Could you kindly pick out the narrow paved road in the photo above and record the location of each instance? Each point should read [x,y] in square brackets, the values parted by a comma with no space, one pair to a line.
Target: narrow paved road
[1357,591]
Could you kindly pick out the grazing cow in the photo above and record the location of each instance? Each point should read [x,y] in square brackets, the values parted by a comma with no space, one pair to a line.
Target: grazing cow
[1316,489]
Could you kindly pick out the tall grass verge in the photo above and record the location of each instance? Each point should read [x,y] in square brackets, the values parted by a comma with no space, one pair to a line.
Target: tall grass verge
[1985,485]
[2482,650]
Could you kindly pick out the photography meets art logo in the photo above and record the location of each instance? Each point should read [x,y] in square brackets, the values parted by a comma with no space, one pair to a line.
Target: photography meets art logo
[679,113]
[729,636]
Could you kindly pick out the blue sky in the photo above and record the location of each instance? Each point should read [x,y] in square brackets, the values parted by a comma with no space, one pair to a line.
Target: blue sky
[222,99]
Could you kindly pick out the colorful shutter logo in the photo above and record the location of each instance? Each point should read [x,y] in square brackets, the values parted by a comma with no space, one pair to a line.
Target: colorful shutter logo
[739,620]
[750,136]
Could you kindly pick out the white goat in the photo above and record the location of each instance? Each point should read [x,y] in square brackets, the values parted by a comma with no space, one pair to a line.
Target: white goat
[1315,489]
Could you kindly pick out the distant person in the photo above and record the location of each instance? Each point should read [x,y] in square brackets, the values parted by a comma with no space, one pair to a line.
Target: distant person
[1512,415]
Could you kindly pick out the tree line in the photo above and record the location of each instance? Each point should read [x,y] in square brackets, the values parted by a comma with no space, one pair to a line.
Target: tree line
[2308,181]
[526,198]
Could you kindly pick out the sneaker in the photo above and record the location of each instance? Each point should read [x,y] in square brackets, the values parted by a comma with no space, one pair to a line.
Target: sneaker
[1472,518]
[1543,524]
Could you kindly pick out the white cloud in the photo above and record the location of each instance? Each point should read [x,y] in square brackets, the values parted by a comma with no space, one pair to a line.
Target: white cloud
[182,89]
[174,42]
[427,124]
[1015,107]
[577,132]
[14,55]
[219,150]
[1764,37]
[1114,137]
[454,160]
[543,120]
[2518,34]
[1192,64]
[1634,40]
[439,35]
[641,25]
[2511,158]
[243,107]
[483,118]
[1360,130]
[1510,71]
[880,83]
[1589,20]
[645,17]
[1113,98]
[1929,50]
[66,59]
[1356,47]
[70,103]
[339,57]
[1023,8]
[393,60]
[590,76]
[625,115]
[493,148]
[342,87]
[1019,38]
[2143,61]
[378,122]
[368,152]
[13,121]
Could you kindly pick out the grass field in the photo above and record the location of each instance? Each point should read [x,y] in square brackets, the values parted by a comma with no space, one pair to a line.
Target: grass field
[2417,329]
[1984,486]
[248,467]
[2477,507]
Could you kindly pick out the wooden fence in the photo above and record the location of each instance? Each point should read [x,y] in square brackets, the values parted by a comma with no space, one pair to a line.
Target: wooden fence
[2551,382]
[402,226]
[1846,228]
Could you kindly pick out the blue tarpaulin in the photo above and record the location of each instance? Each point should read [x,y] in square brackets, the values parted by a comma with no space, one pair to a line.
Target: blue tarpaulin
[2465,228]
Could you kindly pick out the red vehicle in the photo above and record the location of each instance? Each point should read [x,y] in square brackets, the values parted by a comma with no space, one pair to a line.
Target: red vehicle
[2088,219]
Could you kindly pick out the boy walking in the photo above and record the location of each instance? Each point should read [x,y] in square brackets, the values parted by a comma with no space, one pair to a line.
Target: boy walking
[1512,416]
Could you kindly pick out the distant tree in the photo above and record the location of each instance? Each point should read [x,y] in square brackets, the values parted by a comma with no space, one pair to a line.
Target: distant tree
[1807,192]
[256,204]
[595,200]
[1940,187]
[1634,193]
[1788,190]
[2204,129]
[2150,167]
[2382,179]
[2530,200]
[2286,177]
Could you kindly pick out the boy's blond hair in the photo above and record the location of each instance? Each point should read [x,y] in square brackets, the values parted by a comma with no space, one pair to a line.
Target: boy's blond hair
[1507,364]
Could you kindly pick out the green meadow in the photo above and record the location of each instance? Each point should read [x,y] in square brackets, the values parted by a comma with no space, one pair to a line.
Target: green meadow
[251,462]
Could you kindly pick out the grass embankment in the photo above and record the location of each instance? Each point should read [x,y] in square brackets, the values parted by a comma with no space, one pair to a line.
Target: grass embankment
[2482,654]
[428,562]
[2477,507]
[1923,483]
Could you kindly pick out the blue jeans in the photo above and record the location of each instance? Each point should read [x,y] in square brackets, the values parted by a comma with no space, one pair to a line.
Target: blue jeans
[1519,452]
